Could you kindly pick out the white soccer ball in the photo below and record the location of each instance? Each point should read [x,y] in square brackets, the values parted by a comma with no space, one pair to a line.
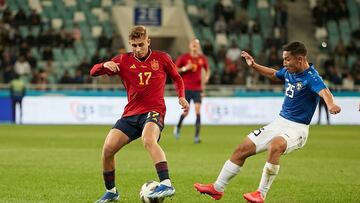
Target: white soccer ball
[146,188]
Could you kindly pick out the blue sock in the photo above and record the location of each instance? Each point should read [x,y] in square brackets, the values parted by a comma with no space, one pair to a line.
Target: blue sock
[180,121]
[197,125]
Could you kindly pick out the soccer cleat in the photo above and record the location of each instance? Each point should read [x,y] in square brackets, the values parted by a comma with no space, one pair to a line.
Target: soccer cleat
[162,191]
[209,190]
[254,197]
[109,197]
[176,132]
[197,140]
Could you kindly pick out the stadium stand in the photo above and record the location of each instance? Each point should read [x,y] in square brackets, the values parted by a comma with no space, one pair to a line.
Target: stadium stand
[62,39]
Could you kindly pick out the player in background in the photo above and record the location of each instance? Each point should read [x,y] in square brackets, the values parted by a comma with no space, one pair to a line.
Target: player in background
[143,73]
[288,132]
[190,66]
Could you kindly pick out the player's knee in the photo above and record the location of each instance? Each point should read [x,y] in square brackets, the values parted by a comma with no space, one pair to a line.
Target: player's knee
[148,143]
[108,151]
[243,152]
[277,146]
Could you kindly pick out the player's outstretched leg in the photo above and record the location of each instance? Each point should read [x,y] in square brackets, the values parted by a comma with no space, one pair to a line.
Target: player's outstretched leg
[176,132]
[109,196]
[178,126]
[209,189]
[254,197]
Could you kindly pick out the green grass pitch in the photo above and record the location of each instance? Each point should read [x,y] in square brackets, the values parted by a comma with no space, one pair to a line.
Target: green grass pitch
[62,164]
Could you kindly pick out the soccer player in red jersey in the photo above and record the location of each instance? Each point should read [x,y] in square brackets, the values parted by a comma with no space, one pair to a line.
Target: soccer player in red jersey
[190,66]
[143,73]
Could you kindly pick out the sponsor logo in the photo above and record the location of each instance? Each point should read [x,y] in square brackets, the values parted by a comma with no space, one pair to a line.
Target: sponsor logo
[81,111]
[133,66]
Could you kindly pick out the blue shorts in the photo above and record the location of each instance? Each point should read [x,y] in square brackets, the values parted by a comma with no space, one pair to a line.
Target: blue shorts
[133,126]
[193,95]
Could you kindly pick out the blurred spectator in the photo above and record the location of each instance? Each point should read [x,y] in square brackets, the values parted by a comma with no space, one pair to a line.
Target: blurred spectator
[103,41]
[281,15]
[42,79]
[22,66]
[348,81]
[273,59]
[204,15]
[79,77]
[20,17]
[68,40]
[208,48]
[76,32]
[233,52]
[47,54]
[220,25]
[31,40]
[34,18]
[24,48]
[84,66]
[334,76]
[66,78]
[96,57]
[7,66]
[116,42]
[31,59]
[17,92]
[7,16]
[218,10]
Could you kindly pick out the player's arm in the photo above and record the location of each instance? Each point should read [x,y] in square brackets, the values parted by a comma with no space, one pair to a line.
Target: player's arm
[108,67]
[179,84]
[207,71]
[180,67]
[263,70]
[329,100]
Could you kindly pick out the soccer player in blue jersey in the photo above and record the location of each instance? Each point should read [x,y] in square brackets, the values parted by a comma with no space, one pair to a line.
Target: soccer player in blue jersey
[288,132]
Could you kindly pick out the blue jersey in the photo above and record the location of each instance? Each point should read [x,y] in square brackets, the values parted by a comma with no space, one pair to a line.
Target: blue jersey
[301,94]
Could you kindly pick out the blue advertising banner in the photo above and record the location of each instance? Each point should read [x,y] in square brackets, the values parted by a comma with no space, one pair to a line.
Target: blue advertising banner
[147,16]
[5,110]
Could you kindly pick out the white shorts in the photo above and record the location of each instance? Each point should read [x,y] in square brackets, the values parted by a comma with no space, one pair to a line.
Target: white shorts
[294,133]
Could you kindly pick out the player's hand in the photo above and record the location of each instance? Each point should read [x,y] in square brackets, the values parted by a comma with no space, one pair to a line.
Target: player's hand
[249,59]
[111,65]
[187,67]
[334,109]
[184,104]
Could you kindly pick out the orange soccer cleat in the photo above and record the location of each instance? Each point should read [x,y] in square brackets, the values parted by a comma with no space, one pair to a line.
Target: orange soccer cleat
[209,190]
[254,197]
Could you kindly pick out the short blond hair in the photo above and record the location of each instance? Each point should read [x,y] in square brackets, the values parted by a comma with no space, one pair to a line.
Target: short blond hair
[138,32]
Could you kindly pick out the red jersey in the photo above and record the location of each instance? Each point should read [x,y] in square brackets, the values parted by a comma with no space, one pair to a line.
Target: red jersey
[144,81]
[192,77]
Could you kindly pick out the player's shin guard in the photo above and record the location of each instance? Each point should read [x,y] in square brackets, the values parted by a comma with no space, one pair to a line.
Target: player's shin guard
[268,176]
[228,171]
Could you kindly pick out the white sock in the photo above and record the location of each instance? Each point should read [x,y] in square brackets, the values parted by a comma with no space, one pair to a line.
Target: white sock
[268,176]
[228,171]
[166,182]
[112,190]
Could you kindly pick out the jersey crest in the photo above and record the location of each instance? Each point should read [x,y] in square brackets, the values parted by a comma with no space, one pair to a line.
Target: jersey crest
[155,64]
[299,85]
